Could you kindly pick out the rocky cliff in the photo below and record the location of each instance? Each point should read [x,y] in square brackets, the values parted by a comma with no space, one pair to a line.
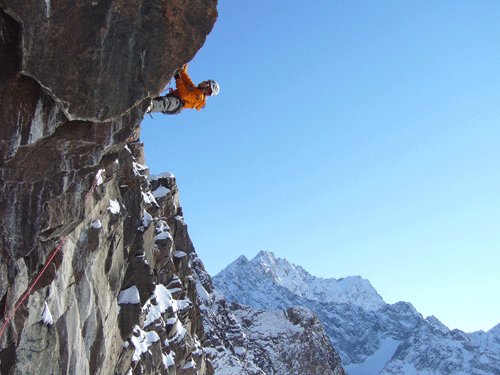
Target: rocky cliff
[94,277]
[98,274]
[280,342]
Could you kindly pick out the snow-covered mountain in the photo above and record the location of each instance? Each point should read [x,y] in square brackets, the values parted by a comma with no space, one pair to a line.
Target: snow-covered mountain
[372,337]
[242,340]
[266,271]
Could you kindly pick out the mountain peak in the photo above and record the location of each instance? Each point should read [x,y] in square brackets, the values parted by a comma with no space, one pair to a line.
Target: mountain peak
[267,272]
[241,260]
[265,258]
[265,254]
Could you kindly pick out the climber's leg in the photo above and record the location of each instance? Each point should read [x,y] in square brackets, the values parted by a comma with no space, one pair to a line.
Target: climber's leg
[168,104]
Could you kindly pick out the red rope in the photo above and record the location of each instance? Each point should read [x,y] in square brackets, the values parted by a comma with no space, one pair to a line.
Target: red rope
[40,274]
[26,295]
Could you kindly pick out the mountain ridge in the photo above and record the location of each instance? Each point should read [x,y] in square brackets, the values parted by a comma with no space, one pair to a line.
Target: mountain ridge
[298,281]
[378,338]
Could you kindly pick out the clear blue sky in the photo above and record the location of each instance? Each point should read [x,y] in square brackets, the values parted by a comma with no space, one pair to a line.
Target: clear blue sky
[352,138]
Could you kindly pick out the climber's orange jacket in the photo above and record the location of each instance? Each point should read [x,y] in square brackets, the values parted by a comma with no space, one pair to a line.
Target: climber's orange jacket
[188,92]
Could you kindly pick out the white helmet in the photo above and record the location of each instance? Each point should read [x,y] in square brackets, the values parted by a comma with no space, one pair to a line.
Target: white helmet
[214,86]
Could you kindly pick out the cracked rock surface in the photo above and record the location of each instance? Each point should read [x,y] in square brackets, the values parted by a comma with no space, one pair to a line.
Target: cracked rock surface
[74,82]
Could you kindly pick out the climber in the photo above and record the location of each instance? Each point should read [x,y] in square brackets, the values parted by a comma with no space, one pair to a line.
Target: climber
[187,95]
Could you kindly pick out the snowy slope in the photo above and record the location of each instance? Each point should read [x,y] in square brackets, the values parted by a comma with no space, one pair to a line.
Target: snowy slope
[371,336]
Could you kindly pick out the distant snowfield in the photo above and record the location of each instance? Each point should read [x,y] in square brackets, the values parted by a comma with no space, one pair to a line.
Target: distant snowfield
[377,361]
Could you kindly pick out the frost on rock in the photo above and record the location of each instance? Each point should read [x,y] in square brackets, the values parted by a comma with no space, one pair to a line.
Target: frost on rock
[129,296]
[46,317]
[114,207]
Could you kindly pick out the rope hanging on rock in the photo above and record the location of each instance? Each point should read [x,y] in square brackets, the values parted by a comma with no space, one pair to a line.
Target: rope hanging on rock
[9,317]
[26,295]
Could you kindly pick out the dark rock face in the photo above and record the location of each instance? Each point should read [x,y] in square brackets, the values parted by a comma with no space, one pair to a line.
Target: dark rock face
[111,53]
[94,61]
[123,298]
[74,82]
